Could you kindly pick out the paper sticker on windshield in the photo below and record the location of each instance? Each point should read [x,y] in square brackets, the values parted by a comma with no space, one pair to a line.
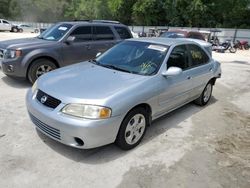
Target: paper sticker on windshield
[62,28]
[158,48]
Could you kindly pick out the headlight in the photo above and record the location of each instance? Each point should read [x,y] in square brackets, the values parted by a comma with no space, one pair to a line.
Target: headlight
[34,87]
[87,111]
[11,54]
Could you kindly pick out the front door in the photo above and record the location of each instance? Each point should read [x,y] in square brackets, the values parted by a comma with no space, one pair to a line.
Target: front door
[81,49]
[176,90]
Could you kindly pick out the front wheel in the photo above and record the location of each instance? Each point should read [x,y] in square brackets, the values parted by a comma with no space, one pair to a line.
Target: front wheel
[40,67]
[132,129]
[232,49]
[205,95]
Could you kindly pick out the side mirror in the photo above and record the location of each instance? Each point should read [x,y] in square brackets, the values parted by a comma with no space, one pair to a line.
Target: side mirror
[70,39]
[98,54]
[172,71]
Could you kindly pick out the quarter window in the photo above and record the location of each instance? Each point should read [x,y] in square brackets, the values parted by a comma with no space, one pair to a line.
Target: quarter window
[198,56]
[82,34]
[123,32]
[103,33]
[178,57]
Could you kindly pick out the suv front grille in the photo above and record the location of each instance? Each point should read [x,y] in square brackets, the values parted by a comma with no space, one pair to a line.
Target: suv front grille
[51,131]
[47,100]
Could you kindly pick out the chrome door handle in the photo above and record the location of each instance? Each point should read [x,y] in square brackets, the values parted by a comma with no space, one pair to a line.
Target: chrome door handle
[211,69]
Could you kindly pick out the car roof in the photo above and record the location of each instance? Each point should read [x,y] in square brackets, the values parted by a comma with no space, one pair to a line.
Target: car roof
[93,22]
[163,41]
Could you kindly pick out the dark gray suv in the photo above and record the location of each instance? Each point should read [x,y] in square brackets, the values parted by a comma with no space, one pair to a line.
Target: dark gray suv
[62,44]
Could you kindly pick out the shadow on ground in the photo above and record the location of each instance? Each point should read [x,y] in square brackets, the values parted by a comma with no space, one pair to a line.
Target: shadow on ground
[15,83]
[111,152]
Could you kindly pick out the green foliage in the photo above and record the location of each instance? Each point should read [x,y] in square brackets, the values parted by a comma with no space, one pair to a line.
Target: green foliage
[192,13]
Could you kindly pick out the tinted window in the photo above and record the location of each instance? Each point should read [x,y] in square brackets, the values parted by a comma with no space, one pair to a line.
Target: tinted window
[5,22]
[172,35]
[83,33]
[123,32]
[195,36]
[103,33]
[198,56]
[178,57]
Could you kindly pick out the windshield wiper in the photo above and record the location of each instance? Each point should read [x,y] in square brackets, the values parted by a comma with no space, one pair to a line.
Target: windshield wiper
[116,68]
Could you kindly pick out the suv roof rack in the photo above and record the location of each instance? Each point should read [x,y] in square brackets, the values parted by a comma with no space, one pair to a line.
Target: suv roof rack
[99,21]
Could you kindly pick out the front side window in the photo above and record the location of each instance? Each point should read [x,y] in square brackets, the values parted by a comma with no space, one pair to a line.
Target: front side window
[5,22]
[123,32]
[134,57]
[178,57]
[103,33]
[83,33]
[56,32]
[198,56]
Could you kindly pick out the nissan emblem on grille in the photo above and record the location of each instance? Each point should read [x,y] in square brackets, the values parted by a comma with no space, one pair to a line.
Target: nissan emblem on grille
[44,99]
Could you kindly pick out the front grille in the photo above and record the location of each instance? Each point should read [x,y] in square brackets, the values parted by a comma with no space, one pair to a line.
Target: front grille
[47,100]
[1,53]
[53,132]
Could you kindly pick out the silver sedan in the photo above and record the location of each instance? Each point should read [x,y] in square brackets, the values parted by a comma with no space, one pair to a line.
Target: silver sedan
[115,97]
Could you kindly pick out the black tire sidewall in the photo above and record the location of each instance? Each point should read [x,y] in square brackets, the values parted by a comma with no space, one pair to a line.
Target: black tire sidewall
[202,99]
[120,140]
[35,65]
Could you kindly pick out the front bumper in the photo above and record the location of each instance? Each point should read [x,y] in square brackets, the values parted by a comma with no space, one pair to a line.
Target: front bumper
[13,67]
[67,129]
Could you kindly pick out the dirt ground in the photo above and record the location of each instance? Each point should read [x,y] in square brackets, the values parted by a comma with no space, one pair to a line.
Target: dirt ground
[198,147]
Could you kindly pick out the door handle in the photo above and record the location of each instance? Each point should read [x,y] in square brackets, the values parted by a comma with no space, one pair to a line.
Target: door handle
[189,77]
[211,69]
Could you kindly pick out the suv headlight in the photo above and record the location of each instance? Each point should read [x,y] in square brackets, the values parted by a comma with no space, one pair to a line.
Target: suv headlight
[87,111]
[11,54]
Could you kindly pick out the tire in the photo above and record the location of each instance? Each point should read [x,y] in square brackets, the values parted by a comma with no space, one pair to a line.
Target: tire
[232,49]
[15,30]
[20,30]
[36,31]
[39,67]
[246,47]
[132,129]
[205,95]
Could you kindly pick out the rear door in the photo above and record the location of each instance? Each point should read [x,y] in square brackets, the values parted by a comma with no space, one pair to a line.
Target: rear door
[201,68]
[176,89]
[81,49]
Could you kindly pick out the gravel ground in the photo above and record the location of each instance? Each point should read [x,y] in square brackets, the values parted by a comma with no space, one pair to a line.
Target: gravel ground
[190,147]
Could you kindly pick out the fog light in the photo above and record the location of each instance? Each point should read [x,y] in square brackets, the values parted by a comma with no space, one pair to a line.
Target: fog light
[79,141]
[10,68]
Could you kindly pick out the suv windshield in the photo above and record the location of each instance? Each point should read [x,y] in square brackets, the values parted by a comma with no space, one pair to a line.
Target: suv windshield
[56,32]
[135,57]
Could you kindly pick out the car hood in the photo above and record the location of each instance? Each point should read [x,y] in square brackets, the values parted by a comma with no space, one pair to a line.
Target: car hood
[22,43]
[86,82]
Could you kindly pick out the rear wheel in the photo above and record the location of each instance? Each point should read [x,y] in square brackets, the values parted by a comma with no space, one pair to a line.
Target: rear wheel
[205,95]
[132,129]
[40,67]
[246,47]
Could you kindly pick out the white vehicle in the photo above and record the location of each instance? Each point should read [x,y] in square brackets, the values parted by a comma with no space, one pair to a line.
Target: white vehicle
[5,25]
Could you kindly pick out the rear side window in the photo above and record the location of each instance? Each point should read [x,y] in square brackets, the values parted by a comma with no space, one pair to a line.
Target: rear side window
[83,33]
[178,57]
[103,33]
[5,22]
[123,32]
[196,36]
[198,56]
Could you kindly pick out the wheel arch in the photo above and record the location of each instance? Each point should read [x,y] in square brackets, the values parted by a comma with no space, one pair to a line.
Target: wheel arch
[42,57]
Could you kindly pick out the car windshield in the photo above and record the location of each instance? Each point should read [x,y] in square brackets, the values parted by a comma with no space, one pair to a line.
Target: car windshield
[56,32]
[172,35]
[134,57]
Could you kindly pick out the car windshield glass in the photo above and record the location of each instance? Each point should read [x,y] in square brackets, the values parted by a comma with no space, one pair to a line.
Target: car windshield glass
[134,57]
[55,32]
[172,35]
